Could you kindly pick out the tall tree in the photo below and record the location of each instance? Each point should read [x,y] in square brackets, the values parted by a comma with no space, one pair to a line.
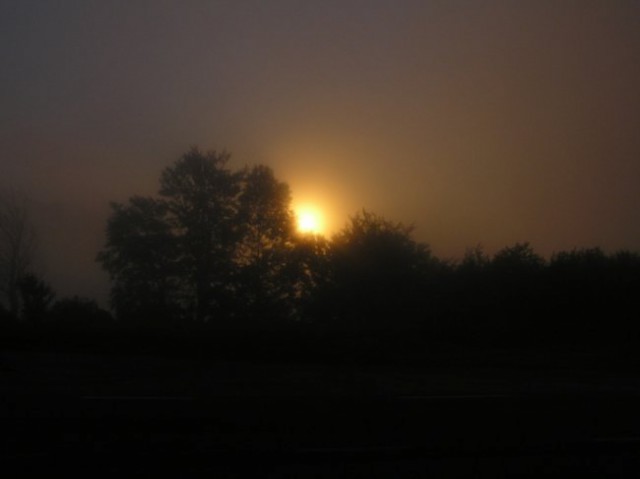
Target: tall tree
[515,276]
[37,297]
[266,280]
[17,247]
[378,273]
[141,258]
[201,196]
[214,243]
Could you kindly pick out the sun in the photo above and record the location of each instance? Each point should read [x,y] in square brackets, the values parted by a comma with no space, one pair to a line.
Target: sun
[309,220]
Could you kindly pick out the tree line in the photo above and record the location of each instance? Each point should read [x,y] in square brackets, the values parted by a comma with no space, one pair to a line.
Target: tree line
[24,295]
[218,247]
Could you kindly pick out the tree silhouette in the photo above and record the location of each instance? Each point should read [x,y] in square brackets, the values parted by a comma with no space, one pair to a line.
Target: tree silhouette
[266,282]
[201,197]
[309,264]
[377,272]
[219,245]
[17,247]
[141,256]
[175,253]
[474,261]
[36,296]
[594,293]
[517,260]
[515,276]
[468,293]
[79,312]
[215,244]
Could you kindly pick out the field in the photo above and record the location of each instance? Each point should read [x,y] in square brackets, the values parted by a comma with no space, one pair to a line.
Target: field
[91,413]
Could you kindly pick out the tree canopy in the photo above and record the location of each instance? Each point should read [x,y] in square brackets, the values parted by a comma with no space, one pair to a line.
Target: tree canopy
[220,246]
[212,245]
[377,272]
[17,247]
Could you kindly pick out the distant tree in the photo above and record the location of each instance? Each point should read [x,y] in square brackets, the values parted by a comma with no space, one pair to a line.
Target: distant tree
[594,293]
[216,244]
[142,256]
[266,281]
[201,196]
[468,290]
[625,289]
[475,260]
[17,247]
[36,296]
[377,272]
[310,266]
[579,270]
[77,311]
[517,260]
[517,294]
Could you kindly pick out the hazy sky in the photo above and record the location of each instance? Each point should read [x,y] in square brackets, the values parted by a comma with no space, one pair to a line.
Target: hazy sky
[479,121]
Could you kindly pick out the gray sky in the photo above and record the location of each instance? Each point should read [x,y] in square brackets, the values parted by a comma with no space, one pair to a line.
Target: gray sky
[479,122]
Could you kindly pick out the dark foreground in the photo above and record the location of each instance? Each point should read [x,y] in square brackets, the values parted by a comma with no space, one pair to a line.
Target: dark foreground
[91,415]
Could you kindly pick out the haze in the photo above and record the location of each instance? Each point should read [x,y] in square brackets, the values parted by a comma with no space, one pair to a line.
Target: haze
[478,122]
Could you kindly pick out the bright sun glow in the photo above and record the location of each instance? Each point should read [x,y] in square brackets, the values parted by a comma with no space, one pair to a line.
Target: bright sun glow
[309,220]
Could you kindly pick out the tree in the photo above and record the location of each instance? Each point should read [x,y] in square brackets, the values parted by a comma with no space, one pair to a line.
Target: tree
[17,247]
[475,260]
[201,197]
[310,267]
[141,256]
[79,312]
[36,296]
[216,243]
[266,278]
[517,261]
[594,293]
[378,273]
[468,293]
[516,290]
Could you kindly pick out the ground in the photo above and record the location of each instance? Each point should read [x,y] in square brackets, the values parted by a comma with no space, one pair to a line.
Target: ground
[91,413]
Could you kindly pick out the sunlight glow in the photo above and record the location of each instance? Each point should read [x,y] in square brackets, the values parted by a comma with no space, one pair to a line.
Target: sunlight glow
[309,220]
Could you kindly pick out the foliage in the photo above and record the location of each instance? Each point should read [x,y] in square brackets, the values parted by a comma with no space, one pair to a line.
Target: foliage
[141,256]
[201,197]
[517,260]
[77,311]
[266,281]
[475,260]
[376,271]
[216,244]
[17,247]
[219,246]
[36,296]
[309,264]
